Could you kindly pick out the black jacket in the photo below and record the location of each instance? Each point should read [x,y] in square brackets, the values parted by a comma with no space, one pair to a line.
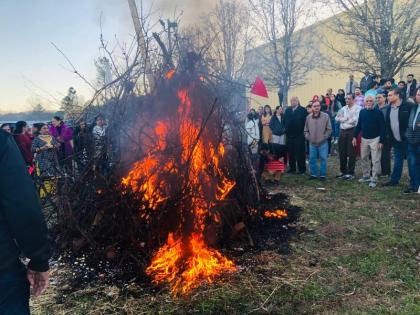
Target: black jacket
[403,116]
[413,88]
[22,226]
[413,134]
[277,126]
[365,82]
[294,121]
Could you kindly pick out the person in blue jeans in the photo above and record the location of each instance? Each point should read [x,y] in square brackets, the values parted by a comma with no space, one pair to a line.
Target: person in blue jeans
[396,124]
[413,139]
[317,131]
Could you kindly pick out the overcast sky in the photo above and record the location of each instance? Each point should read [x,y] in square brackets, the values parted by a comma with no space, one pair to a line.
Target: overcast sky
[33,71]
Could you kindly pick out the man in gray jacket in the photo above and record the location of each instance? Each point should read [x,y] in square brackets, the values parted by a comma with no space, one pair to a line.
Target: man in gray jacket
[317,131]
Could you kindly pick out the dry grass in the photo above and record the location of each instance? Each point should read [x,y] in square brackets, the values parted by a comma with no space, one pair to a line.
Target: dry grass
[355,254]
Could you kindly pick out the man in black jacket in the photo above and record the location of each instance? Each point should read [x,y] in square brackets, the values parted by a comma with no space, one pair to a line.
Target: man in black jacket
[365,82]
[396,124]
[22,230]
[294,122]
[413,139]
[411,86]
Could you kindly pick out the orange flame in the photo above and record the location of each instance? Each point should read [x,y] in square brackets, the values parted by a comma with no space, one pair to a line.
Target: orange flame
[184,265]
[170,74]
[278,214]
[185,261]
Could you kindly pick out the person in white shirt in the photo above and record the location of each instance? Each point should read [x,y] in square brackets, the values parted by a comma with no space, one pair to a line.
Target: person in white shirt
[252,135]
[348,117]
[100,143]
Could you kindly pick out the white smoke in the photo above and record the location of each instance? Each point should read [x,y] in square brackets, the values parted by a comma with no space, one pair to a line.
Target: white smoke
[189,11]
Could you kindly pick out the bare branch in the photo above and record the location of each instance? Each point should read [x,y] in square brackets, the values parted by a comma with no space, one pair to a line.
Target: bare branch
[383,35]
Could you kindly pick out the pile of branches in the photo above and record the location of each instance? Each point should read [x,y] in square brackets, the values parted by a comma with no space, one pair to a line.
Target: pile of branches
[97,216]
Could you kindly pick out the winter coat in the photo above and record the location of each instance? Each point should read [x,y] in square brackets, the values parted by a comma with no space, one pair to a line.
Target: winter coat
[277,126]
[403,116]
[413,134]
[24,143]
[22,226]
[413,88]
[66,135]
[318,129]
[252,131]
[294,121]
[365,82]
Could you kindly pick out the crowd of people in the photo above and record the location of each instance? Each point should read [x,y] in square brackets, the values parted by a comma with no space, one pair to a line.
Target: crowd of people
[46,151]
[369,119]
[53,149]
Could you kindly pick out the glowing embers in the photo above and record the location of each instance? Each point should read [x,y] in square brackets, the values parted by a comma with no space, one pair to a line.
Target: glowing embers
[185,263]
[277,214]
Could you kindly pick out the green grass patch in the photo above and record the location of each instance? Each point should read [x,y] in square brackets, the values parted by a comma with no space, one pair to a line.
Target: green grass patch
[356,254]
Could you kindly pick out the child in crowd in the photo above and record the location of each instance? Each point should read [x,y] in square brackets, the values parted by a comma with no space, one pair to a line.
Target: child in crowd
[272,167]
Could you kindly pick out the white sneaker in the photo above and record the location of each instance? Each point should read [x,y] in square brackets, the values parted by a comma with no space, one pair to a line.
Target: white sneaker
[372,184]
[364,180]
[349,177]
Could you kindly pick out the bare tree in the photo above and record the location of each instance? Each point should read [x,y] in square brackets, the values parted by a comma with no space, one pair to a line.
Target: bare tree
[383,36]
[289,53]
[70,103]
[103,71]
[229,28]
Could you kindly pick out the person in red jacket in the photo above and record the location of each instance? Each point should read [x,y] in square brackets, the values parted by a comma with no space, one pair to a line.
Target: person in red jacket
[24,142]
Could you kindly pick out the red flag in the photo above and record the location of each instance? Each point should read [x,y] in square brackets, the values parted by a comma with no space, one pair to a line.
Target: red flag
[258,88]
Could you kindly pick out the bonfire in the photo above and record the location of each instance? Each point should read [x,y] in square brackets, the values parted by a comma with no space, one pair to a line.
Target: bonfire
[185,157]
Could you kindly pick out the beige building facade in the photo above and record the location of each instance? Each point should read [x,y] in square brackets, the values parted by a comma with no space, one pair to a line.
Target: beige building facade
[322,77]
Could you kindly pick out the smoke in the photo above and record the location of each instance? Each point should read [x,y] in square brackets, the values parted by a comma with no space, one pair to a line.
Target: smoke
[191,10]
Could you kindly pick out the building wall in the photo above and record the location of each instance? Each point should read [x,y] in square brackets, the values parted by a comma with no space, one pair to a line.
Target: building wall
[319,79]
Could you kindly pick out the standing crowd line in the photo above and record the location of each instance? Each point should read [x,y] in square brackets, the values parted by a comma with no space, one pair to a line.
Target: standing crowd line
[55,149]
[370,120]
[44,151]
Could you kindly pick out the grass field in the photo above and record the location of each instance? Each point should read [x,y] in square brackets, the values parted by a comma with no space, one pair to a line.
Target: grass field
[357,252]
